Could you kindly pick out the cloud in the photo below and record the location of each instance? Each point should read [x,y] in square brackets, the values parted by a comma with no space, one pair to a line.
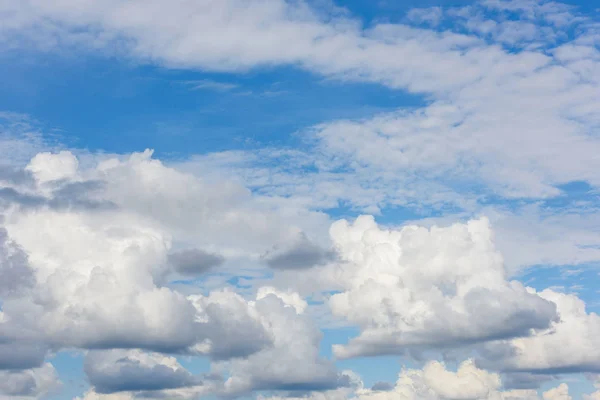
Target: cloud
[77,258]
[16,275]
[382,387]
[68,258]
[524,380]
[295,347]
[193,262]
[430,16]
[120,370]
[436,382]
[46,167]
[19,353]
[289,298]
[569,344]
[225,317]
[206,84]
[29,384]
[559,393]
[298,254]
[511,112]
[418,287]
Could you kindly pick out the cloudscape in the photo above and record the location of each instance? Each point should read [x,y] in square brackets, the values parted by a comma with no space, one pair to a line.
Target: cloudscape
[300,199]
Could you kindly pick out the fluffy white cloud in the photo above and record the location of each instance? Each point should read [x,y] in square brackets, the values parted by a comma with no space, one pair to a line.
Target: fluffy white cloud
[92,278]
[47,166]
[289,298]
[92,246]
[559,393]
[89,276]
[570,344]
[436,382]
[418,287]
[292,361]
[224,317]
[78,259]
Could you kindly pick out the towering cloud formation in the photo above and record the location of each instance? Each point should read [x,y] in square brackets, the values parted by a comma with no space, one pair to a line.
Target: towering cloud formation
[415,287]
[79,275]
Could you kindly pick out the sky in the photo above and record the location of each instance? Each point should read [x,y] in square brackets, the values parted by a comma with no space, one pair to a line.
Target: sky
[300,199]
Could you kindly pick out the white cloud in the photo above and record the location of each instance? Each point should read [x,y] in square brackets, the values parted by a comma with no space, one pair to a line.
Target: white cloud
[292,362]
[498,121]
[559,393]
[436,382]
[77,259]
[112,371]
[47,166]
[289,298]
[568,345]
[72,254]
[29,383]
[489,112]
[418,287]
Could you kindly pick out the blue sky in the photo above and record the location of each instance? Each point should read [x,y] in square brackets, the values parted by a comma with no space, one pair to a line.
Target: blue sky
[216,266]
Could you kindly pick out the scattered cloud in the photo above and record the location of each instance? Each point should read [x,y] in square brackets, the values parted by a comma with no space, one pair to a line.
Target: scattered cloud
[90,243]
[206,84]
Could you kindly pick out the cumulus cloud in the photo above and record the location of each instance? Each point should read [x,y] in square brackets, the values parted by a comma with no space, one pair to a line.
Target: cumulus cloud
[224,317]
[15,273]
[76,255]
[569,344]
[77,259]
[74,234]
[292,361]
[121,371]
[418,287]
[29,383]
[436,382]
[47,166]
[559,393]
[289,297]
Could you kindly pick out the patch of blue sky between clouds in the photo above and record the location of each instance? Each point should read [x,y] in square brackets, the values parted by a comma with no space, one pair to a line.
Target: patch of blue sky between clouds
[115,107]
[69,365]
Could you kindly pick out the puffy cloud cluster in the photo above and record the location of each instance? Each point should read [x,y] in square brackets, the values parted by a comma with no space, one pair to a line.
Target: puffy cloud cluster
[76,275]
[291,362]
[84,267]
[86,253]
[436,382]
[570,344]
[418,287]
[264,344]
[131,371]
